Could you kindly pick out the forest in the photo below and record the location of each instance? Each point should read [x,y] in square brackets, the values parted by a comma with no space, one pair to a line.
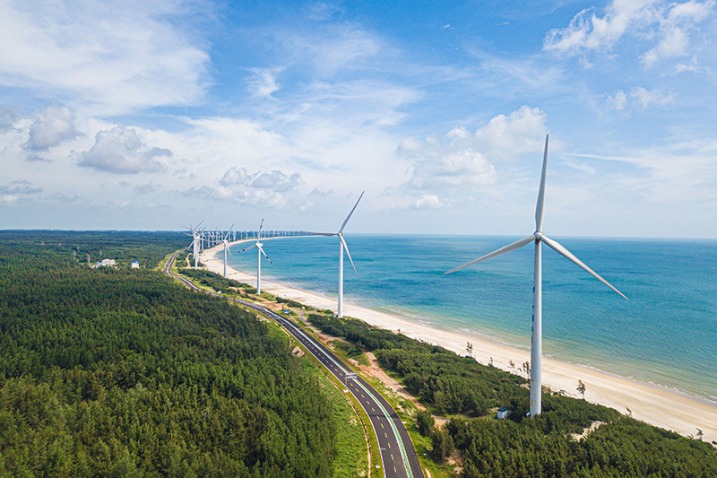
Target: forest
[120,372]
[544,446]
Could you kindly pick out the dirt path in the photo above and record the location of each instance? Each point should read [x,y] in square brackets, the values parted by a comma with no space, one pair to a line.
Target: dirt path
[374,370]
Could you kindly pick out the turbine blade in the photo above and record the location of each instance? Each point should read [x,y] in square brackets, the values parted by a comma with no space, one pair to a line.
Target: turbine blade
[264,253]
[541,193]
[560,249]
[346,248]
[352,211]
[226,236]
[503,250]
[226,247]
[247,248]
[258,236]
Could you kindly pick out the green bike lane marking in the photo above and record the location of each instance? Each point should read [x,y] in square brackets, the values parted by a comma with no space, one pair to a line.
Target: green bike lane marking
[341,366]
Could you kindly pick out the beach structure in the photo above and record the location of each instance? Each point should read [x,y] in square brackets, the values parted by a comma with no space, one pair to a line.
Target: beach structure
[225,241]
[259,253]
[342,247]
[538,238]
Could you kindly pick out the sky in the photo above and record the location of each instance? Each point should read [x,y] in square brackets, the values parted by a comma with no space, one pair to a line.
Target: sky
[144,115]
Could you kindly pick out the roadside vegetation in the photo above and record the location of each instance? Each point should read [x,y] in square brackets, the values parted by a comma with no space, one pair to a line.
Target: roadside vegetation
[479,445]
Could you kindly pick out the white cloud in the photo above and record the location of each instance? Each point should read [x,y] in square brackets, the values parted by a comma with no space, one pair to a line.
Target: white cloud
[438,167]
[7,118]
[265,188]
[677,175]
[322,11]
[466,167]
[122,151]
[428,201]
[51,127]
[335,48]
[588,31]
[357,103]
[17,191]
[619,101]
[114,56]
[263,82]
[250,197]
[514,134]
[35,158]
[23,187]
[274,180]
[455,166]
[663,28]
[235,176]
[649,97]
[674,30]
[639,98]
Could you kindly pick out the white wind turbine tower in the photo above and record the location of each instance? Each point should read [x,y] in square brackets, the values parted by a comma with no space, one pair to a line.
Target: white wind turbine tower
[342,247]
[226,248]
[196,244]
[536,342]
[260,251]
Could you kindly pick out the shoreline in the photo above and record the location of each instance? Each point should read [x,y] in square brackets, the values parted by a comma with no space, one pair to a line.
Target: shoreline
[660,406]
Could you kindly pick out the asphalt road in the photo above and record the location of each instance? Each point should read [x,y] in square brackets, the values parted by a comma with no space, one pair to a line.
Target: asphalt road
[399,459]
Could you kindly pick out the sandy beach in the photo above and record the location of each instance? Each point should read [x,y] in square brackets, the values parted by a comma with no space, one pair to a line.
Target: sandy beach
[653,404]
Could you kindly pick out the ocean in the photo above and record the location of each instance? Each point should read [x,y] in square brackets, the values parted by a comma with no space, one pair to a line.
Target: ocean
[666,333]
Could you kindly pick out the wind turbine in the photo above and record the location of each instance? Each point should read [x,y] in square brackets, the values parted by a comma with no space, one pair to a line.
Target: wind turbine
[196,244]
[226,248]
[259,253]
[342,247]
[536,341]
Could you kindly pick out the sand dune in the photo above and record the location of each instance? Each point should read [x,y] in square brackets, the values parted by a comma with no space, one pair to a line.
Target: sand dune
[653,404]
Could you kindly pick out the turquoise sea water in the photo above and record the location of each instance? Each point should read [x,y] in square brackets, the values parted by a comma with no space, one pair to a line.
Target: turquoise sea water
[666,333]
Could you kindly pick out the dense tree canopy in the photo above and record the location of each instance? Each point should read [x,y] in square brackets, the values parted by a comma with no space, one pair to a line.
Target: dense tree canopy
[119,372]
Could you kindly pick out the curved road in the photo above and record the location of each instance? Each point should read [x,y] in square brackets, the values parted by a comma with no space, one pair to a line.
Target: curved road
[397,453]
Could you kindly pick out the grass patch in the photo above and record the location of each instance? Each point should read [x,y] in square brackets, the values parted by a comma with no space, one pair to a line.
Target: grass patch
[351,460]
[349,351]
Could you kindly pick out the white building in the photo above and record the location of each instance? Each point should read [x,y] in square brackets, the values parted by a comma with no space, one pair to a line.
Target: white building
[106,263]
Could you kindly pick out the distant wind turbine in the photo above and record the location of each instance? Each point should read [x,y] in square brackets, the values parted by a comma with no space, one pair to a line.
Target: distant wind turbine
[196,243]
[226,248]
[260,251]
[536,342]
[342,247]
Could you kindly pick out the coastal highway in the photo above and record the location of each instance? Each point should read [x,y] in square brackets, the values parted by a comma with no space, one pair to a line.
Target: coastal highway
[399,459]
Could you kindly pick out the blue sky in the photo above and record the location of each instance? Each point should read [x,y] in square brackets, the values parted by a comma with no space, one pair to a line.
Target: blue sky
[157,115]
